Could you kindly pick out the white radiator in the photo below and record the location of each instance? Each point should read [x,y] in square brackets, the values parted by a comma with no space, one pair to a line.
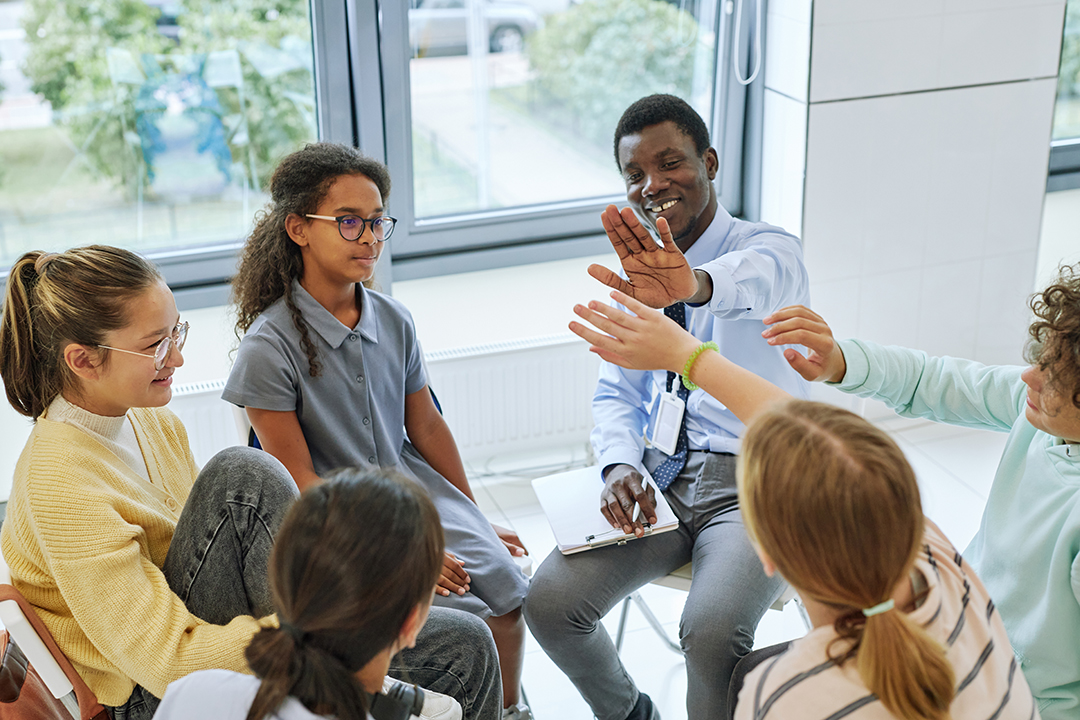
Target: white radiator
[211,423]
[501,398]
[516,397]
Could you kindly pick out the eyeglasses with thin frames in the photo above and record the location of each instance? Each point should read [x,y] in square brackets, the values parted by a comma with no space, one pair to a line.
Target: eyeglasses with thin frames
[161,353]
[351,227]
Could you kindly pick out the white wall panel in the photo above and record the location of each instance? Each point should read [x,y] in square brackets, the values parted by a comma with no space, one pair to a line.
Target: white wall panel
[918,197]
[783,161]
[787,50]
[869,48]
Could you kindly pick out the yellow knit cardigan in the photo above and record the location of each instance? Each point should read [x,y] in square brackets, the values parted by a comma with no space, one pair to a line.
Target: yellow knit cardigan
[86,540]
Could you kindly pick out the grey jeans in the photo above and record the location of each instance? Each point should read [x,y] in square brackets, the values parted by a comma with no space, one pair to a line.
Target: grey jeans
[217,564]
[729,594]
[220,551]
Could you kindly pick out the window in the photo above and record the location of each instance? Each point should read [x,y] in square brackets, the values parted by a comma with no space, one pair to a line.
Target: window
[503,111]
[151,125]
[1065,143]
[155,124]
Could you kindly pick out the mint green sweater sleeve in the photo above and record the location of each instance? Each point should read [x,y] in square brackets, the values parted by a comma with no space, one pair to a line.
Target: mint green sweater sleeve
[945,389]
[1027,550]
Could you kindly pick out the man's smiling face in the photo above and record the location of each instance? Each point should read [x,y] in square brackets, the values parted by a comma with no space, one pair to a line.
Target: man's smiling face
[665,177]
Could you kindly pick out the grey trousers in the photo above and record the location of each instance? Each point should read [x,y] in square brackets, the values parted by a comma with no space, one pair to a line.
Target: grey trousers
[729,594]
[217,564]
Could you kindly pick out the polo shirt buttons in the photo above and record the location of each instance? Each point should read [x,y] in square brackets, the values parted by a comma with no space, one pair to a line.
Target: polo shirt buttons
[367,421]
[371,459]
[352,336]
[359,378]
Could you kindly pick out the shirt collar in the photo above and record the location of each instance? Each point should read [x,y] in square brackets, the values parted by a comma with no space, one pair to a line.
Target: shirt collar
[709,246]
[329,328]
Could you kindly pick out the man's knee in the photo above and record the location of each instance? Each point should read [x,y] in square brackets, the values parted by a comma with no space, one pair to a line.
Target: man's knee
[712,634]
[551,603]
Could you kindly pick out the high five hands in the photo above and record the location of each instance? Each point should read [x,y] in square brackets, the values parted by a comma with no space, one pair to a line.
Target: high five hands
[656,275]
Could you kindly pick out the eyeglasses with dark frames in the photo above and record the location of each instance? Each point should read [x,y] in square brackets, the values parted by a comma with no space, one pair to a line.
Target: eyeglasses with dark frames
[351,227]
[164,348]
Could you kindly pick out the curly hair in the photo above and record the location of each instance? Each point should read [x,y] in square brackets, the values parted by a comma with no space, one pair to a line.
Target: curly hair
[1054,343]
[271,260]
[655,109]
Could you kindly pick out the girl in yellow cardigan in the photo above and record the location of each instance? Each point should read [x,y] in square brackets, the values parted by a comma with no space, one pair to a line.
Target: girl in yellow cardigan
[143,568]
[138,586]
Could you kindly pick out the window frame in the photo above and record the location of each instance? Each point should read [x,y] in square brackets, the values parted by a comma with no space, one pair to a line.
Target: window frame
[1064,173]
[355,101]
[480,240]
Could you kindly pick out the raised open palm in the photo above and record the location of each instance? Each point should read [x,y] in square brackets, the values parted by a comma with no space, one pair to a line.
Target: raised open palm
[656,275]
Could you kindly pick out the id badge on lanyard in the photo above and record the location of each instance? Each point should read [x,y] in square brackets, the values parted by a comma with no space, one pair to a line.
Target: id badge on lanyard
[669,414]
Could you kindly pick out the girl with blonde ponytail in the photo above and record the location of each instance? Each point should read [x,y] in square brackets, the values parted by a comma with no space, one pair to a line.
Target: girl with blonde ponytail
[142,566]
[352,576]
[903,628]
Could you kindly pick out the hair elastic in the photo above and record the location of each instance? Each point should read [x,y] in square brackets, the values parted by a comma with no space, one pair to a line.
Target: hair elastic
[294,632]
[879,608]
[692,359]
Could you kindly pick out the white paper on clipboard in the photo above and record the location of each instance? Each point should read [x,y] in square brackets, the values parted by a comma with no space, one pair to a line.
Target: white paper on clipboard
[571,502]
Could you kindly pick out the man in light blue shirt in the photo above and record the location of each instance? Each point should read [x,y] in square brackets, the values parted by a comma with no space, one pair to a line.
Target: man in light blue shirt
[719,276]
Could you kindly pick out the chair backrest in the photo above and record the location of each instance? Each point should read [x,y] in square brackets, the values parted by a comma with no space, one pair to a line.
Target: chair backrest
[23,695]
[32,637]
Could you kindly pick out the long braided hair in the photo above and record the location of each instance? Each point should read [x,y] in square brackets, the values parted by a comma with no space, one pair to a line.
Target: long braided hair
[271,260]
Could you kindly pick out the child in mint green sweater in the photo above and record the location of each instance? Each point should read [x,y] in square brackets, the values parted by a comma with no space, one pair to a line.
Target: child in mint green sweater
[1027,550]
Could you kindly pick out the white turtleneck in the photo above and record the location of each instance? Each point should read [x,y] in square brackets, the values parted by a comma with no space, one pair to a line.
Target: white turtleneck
[115,433]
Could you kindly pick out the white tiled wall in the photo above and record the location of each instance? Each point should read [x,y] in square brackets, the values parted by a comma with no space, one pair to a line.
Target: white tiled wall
[787,48]
[926,146]
[783,161]
[922,199]
[787,89]
[865,48]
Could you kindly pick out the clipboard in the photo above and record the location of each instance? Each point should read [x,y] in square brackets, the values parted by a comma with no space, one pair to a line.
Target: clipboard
[571,503]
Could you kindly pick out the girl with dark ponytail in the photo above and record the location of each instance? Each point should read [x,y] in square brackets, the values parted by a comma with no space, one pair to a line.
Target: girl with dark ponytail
[903,628]
[143,567]
[331,374]
[352,577]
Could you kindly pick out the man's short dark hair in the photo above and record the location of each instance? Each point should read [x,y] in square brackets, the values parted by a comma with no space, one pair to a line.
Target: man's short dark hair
[655,109]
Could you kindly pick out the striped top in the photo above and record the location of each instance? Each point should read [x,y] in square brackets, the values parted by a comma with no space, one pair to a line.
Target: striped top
[804,684]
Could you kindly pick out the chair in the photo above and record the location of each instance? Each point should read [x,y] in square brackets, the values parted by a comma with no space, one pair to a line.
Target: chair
[29,634]
[680,580]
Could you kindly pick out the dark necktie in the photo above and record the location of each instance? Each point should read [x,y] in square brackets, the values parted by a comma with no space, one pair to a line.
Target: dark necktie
[668,470]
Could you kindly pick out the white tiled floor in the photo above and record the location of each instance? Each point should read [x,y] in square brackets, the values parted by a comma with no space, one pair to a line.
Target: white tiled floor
[955,467]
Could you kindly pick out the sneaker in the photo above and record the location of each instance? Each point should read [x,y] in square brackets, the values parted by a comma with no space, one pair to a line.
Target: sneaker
[644,709]
[436,705]
[517,712]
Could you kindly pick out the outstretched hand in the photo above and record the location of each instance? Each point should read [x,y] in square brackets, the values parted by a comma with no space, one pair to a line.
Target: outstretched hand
[645,340]
[657,275]
[799,325]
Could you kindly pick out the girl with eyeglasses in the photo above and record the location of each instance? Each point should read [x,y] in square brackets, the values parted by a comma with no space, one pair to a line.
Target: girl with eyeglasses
[142,567]
[331,374]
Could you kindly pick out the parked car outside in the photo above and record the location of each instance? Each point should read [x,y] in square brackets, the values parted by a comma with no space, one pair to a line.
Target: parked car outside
[440,27]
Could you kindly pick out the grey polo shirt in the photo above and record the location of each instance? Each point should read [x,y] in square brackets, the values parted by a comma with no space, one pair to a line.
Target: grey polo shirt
[353,414]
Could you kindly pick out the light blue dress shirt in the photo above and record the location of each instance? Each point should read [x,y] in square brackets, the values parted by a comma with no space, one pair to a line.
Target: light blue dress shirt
[756,269]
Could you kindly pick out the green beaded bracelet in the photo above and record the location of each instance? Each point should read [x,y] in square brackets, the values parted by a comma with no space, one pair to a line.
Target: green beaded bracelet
[690,363]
